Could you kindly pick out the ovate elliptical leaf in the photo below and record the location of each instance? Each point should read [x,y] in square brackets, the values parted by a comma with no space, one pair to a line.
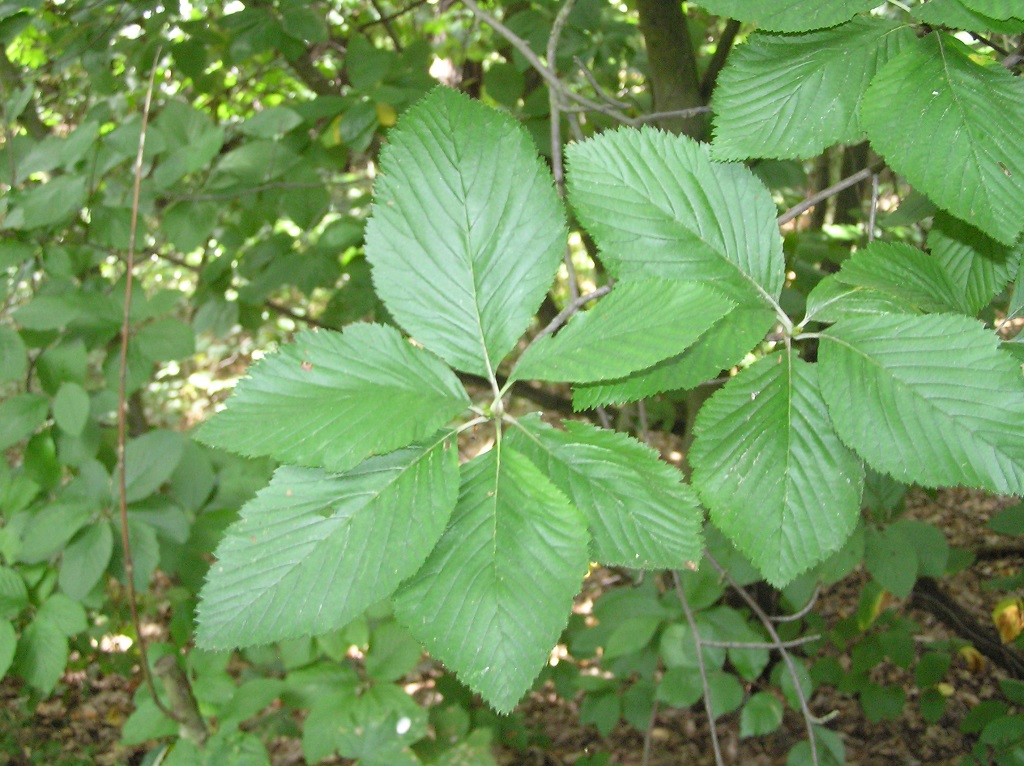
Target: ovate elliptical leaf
[467,230]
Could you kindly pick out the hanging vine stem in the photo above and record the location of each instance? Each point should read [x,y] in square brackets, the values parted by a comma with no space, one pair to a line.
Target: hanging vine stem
[122,406]
[809,718]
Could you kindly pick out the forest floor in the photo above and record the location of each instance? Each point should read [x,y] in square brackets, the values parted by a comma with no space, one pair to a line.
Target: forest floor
[80,724]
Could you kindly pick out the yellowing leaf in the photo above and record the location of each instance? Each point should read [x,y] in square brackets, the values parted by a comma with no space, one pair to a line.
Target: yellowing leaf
[386,114]
[1008,617]
[975,662]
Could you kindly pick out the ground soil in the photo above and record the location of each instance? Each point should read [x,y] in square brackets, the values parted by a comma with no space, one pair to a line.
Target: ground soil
[80,724]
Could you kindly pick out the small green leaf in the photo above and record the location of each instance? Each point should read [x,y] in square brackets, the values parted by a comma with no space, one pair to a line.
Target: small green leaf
[970,111]
[165,340]
[890,557]
[271,123]
[832,300]
[927,399]
[48,203]
[71,408]
[8,644]
[313,550]
[393,653]
[761,715]
[52,527]
[495,593]
[789,15]
[20,416]
[617,337]
[13,593]
[796,95]
[332,399]
[639,512]
[148,722]
[775,476]
[66,615]
[467,230]
[41,655]
[85,559]
[150,461]
[13,355]
[658,207]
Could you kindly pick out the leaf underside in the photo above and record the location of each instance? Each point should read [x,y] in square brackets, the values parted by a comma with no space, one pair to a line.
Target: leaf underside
[332,400]
[789,15]
[927,399]
[313,550]
[466,231]
[495,593]
[796,95]
[973,112]
[639,513]
[768,464]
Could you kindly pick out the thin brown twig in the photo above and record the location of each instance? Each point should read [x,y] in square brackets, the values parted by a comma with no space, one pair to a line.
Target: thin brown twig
[799,615]
[386,23]
[565,314]
[589,76]
[648,735]
[809,718]
[122,406]
[397,14]
[761,644]
[824,194]
[708,708]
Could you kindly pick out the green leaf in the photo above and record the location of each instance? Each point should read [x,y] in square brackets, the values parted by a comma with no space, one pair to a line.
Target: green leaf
[393,652]
[724,345]
[979,266]
[639,512]
[967,109]
[52,527]
[997,9]
[150,461]
[20,416]
[148,722]
[85,560]
[13,355]
[903,274]
[166,340]
[13,593]
[616,338]
[48,203]
[761,715]
[929,544]
[725,692]
[832,300]
[776,478]
[956,14]
[890,558]
[8,644]
[313,550]
[66,615]
[71,408]
[466,232]
[271,123]
[658,207]
[927,399]
[789,15]
[495,593]
[41,655]
[48,312]
[796,95]
[332,399]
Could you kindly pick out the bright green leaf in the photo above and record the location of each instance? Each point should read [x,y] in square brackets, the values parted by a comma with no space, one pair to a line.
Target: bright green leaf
[616,337]
[997,9]
[658,207]
[797,95]
[639,512]
[271,123]
[467,230]
[776,478]
[832,300]
[85,560]
[313,550]
[927,399]
[495,593]
[956,14]
[725,692]
[66,615]
[967,109]
[48,203]
[332,399]
[979,266]
[789,15]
